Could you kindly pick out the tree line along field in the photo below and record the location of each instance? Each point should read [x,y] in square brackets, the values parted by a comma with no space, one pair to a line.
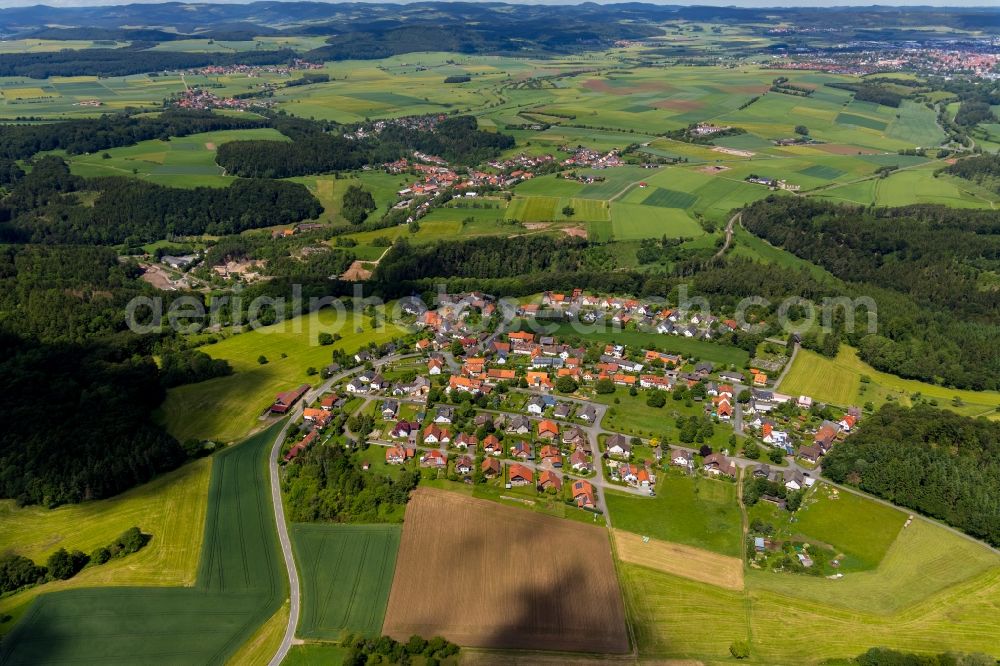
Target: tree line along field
[839,381]
[171,508]
[346,571]
[227,408]
[240,584]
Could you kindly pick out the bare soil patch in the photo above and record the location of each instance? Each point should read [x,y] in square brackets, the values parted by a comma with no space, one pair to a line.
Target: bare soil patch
[752,89]
[602,86]
[357,272]
[680,560]
[578,232]
[734,151]
[157,277]
[209,146]
[486,575]
[713,169]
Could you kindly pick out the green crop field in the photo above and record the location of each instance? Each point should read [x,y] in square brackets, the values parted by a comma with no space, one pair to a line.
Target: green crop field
[240,585]
[227,408]
[691,510]
[635,221]
[860,121]
[823,381]
[674,617]
[61,96]
[347,573]
[839,382]
[669,199]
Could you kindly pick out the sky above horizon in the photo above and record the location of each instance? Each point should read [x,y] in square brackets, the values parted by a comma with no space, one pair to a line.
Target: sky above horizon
[716,3]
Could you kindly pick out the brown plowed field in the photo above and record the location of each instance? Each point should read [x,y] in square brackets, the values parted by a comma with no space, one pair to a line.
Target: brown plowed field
[486,575]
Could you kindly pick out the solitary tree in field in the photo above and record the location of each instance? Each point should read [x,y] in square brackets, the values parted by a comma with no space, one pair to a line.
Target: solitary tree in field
[568,211]
[802,130]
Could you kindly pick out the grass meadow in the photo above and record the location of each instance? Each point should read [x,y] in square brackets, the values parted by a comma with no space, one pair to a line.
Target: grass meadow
[240,585]
[694,511]
[227,408]
[180,162]
[171,509]
[674,344]
[838,381]
[923,588]
[346,573]
[860,529]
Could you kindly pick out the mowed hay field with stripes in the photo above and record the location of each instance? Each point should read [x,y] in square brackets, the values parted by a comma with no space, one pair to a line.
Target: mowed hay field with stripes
[240,585]
[346,572]
[486,575]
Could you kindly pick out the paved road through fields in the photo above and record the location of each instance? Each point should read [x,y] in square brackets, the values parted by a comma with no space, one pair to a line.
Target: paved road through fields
[279,511]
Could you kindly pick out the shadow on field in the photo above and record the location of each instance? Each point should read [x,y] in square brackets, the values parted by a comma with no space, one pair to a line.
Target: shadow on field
[491,576]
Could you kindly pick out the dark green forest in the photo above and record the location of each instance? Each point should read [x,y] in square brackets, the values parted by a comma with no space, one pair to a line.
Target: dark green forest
[64,352]
[982,169]
[76,422]
[88,135]
[135,59]
[312,150]
[922,265]
[931,460]
[43,207]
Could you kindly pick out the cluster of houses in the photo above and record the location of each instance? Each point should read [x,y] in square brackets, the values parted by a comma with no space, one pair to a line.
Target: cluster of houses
[544,441]
[527,464]
[201,99]
[621,312]
[708,129]
[283,69]
[521,163]
[827,434]
[436,176]
[591,159]
[424,123]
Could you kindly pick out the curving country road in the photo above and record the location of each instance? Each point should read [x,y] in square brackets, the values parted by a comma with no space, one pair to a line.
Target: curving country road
[279,512]
[286,547]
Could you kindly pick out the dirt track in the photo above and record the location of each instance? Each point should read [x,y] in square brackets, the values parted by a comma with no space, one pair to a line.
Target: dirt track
[485,575]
